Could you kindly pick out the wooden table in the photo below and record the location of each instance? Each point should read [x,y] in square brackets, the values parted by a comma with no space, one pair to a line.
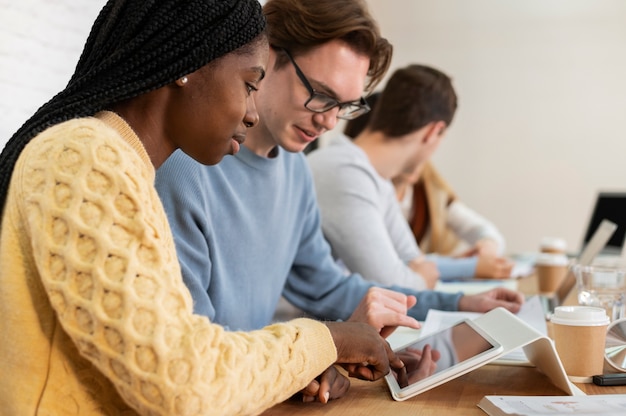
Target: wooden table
[458,397]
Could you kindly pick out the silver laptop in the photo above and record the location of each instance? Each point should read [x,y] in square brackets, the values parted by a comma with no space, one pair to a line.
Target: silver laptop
[603,233]
[608,206]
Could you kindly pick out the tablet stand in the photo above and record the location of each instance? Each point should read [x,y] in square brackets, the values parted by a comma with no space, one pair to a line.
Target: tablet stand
[513,333]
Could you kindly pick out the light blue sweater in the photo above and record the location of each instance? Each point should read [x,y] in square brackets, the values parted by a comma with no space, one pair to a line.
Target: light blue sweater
[248,230]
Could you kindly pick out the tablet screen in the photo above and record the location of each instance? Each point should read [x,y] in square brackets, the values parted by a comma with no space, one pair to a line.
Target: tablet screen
[454,349]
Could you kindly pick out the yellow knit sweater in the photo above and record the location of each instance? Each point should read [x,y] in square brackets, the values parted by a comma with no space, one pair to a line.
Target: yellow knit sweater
[94,315]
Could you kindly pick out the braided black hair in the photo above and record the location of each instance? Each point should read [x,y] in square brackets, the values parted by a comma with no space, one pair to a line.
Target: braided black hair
[136,46]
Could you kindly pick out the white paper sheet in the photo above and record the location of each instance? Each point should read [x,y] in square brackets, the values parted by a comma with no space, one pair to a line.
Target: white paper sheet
[605,405]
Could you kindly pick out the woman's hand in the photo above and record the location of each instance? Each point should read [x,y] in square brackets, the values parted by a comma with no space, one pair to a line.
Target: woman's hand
[491,267]
[331,384]
[362,351]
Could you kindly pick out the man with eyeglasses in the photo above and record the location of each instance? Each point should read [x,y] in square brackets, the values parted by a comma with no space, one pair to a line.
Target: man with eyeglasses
[248,229]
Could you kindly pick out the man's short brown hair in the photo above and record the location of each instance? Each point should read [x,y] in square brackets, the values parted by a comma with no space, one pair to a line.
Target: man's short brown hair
[300,25]
[414,96]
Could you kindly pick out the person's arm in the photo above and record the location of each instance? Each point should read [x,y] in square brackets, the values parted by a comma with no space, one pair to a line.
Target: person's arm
[317,285]
[453,268]
[477,266]
[473,228]
[106,259]
[369,238]
[512,300]
[315,288]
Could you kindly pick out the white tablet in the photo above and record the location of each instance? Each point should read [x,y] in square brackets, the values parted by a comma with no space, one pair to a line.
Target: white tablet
[462,347]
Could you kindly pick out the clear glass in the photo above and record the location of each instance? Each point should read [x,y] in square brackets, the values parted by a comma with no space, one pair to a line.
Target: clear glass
[603,284]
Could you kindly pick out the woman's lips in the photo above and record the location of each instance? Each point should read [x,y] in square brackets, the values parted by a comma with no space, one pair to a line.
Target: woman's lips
[235,145]
[236,142]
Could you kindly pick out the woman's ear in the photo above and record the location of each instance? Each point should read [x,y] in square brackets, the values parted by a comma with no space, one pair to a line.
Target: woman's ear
[182,81]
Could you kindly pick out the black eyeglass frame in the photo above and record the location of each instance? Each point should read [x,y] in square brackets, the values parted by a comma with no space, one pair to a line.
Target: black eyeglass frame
[361,105]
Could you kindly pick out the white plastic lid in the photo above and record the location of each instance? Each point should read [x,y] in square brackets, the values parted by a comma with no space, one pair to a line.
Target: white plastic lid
[551,259]
[554,243]
[579,316]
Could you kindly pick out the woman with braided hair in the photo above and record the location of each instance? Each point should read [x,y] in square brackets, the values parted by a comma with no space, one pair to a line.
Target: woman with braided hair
[95,316]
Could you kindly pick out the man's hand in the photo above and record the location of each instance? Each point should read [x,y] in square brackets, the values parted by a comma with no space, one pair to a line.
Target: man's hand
[491,267]
[427,269]
[486,301]
[331,384]
[385,310]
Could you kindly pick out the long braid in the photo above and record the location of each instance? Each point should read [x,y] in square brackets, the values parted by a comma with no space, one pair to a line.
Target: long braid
[136,46]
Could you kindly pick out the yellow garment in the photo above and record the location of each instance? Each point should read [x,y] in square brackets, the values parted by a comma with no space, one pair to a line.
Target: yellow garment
[439,238]
[95,317]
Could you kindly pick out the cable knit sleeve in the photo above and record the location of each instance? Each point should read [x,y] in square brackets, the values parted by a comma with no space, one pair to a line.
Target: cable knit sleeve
[106,258]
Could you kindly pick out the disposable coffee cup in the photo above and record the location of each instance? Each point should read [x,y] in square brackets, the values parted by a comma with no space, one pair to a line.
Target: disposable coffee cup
[579,334]
[551,270]
[552,245]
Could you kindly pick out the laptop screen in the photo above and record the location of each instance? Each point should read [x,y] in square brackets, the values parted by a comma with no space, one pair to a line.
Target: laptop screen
[610,206]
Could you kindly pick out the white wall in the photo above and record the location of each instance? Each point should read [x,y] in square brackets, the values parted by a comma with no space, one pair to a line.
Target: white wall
[542,89]
[40,42]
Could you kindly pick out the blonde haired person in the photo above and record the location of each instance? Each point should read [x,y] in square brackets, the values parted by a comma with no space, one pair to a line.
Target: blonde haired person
[440,222]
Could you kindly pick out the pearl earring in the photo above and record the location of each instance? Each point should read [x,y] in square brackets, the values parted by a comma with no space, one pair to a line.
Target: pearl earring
[184,80]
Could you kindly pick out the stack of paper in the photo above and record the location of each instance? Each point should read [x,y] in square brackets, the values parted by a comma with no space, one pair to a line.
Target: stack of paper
[603,404]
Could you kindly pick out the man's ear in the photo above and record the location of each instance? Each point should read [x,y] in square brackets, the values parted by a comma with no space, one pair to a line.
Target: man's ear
[435,131]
